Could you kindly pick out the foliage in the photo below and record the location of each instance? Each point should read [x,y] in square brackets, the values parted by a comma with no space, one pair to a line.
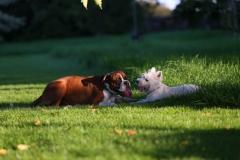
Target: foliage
[57,19]
[8,22]
[205,11]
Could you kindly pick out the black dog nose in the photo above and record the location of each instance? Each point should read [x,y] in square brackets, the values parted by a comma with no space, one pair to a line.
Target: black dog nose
[127,84]
[137,81]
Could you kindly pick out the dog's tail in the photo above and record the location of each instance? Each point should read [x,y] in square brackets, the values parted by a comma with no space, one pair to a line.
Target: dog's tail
[36,102]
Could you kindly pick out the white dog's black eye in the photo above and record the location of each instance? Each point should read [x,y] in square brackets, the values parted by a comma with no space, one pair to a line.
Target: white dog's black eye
[146,80]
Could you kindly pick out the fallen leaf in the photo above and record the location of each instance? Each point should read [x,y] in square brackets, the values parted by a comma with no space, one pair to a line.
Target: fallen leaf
[3,151]
[112,131]
[94,110]
[91,106]
[131,132]
[119,132]
[209,113]
[226,128]
[184,143]
[44,110]
[23,146]
[37,122]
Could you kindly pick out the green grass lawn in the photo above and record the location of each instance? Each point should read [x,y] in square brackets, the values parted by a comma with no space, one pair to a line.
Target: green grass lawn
[204,125]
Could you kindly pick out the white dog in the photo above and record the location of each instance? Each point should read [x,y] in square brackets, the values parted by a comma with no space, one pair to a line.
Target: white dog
[151,83]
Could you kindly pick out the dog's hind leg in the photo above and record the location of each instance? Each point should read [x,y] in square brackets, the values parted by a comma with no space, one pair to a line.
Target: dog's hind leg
[54,93]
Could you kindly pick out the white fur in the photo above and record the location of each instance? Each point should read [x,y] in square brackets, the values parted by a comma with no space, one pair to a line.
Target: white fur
[151,83]
[109,99]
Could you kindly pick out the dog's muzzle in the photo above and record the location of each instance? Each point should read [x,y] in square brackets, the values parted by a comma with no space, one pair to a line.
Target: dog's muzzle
[125,84]
[124,89]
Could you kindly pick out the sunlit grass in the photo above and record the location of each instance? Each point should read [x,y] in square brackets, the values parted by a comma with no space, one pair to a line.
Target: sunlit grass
[79,133]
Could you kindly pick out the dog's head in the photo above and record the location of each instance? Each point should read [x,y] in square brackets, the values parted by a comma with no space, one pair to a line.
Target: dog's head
[117,83]
[149,80]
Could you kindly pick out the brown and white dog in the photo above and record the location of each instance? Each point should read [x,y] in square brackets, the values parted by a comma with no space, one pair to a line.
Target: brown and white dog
[79,90]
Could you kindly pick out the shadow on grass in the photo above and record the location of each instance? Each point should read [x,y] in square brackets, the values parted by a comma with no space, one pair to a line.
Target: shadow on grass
[15,105]
[214,95]
[178,143]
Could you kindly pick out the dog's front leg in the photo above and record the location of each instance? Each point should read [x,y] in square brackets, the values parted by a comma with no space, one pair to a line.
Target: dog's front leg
[109,101]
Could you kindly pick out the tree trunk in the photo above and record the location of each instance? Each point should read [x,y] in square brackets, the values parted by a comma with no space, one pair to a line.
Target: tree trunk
[135,25]
[235,23]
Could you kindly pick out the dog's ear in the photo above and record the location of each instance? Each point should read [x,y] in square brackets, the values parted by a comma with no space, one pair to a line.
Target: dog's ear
[153,69]
[106,78]
[159,74]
